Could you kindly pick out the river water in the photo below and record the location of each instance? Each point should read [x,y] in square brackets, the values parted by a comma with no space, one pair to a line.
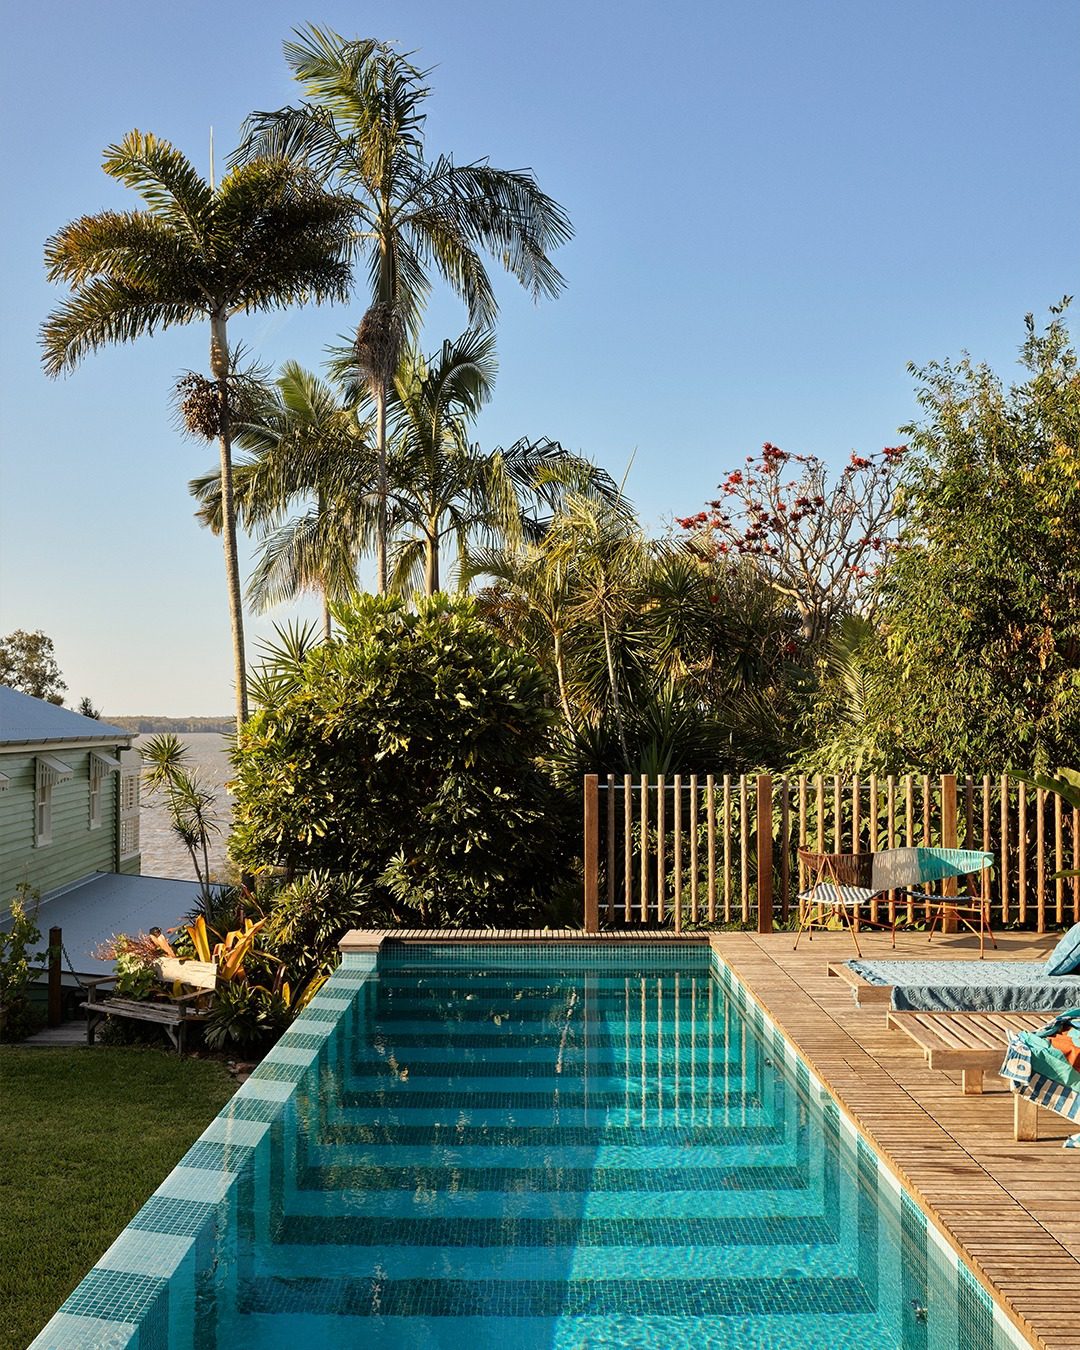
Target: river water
[163,855]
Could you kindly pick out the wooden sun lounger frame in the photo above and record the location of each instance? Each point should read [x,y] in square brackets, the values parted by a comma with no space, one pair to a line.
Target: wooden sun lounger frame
[972,1042]
[175,1015]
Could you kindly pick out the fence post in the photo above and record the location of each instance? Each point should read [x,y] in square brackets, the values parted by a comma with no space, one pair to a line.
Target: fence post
[592,853]
[764,854]
[56,940]
[948,840]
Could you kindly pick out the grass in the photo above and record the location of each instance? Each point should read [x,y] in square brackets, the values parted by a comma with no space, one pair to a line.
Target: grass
[85,1137]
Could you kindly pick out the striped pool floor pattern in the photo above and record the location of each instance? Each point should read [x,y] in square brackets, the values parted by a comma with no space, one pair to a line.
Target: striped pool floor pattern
[574,1154]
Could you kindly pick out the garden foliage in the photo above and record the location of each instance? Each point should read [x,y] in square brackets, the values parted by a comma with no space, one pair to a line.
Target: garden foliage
[404,753]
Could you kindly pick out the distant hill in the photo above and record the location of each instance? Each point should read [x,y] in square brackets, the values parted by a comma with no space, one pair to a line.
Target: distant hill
[147,724]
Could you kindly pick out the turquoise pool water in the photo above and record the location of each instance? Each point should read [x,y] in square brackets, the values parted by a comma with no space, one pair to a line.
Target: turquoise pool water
[543,1150]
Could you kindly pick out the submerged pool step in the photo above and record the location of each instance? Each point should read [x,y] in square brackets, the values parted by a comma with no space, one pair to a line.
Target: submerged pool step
[818,1251]
[515,1135]
[785,1152]
[699,1296]
[642,1231]
[537,1180]
[405,1096]
[675,1206]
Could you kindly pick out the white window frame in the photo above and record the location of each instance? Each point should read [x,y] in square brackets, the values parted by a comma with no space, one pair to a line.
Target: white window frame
[128,825]
[42,810]
[95,801]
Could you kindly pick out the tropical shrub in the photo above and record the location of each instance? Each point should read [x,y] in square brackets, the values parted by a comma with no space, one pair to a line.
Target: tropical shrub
[404,754]
[15,969]
[976,657]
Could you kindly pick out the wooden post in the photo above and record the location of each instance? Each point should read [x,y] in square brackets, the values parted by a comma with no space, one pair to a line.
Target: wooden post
[764,854]
[628,848]
[693,848]
[948,840]
[710,789]
[592,853]
[727,848]
[1059,861]
[56,1010]
[744,848]
[644,849]
[661,850]
[611,848]
[1021,851]
[785,847]
[677,825]
[1040,860]
[1003,825]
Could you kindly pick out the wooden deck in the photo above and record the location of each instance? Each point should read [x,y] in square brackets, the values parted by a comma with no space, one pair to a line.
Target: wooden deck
[1012,1210]
[371,939]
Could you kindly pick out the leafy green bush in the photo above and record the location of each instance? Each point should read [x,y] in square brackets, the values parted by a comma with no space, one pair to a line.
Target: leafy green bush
[15,969]
[405,754]
[308,917]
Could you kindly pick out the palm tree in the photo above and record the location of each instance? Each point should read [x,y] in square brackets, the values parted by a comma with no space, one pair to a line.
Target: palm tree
[305,444]
[267,237]
[363,130]
[444,487]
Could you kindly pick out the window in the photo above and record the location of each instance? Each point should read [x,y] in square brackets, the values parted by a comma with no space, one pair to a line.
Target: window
[101,765]
[43,812]
[50,771]
[129,814]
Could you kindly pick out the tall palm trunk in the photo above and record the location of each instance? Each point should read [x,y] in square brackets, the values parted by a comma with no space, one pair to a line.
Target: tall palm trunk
[560,674]
[219,369]
[431,559]
[616,702]
[381,487]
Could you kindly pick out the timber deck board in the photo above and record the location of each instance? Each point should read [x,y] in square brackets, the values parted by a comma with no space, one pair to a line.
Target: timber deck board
[1012,1210]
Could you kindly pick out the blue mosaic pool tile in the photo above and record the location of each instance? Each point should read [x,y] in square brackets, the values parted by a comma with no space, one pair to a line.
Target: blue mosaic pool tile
[194,1183]
[121,1296]
[69,1331]
[185,1218]
[142,1252]
[696,1297]
[974,1313]
[215,1156]
[273,1070]
[295,1039]
[232,1130]
[267,1089]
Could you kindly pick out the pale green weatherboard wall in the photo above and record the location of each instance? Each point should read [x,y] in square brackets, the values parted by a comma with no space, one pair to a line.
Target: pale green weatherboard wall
[76,850]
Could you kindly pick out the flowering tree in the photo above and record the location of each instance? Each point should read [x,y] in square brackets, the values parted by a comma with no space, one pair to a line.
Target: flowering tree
[818,544]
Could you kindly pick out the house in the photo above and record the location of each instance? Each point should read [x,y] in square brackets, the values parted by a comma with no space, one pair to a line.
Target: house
[69,797]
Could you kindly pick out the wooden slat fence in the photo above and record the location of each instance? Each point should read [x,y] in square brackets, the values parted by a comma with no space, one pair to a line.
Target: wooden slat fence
[673,850]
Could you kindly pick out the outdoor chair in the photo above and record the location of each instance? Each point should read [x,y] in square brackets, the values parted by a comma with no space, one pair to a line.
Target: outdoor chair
[845,883]
[839,885]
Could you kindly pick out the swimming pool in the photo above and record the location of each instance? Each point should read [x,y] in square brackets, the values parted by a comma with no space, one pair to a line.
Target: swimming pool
[563,1146]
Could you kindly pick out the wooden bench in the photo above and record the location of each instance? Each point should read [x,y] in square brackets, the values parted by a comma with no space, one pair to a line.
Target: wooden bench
[973,1043]
[862,991]
[175,1013]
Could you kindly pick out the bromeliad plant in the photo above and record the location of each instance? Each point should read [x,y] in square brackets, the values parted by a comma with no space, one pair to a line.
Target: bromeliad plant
[245,1011]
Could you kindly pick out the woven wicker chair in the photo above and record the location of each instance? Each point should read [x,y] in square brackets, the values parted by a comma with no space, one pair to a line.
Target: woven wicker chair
[838,885]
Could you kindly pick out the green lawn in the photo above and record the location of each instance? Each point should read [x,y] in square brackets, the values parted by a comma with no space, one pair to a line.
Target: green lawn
[85,1137]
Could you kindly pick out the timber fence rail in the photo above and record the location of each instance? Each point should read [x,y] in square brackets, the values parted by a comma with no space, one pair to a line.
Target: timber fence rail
[671,850]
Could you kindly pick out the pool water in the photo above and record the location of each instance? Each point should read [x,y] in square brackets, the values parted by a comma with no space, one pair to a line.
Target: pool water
[591,1150]
[516,1147]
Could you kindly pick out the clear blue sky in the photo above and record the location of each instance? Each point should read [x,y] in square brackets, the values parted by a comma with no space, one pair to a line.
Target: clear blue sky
[778,204]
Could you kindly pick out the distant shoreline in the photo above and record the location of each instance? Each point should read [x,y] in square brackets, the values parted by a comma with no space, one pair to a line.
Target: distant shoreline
[145,724]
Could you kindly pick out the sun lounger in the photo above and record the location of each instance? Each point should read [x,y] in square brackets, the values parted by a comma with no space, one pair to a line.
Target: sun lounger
[974,1043]
[1042,1066]
[959,986]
